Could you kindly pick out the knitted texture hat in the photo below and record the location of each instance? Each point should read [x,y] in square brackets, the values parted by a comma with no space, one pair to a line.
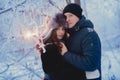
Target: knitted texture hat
[74,9]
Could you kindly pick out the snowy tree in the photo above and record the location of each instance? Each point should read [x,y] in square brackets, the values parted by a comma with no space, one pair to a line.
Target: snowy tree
[21,22]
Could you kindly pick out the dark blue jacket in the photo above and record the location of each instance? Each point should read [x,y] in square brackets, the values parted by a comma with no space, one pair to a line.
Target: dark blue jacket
[84,47]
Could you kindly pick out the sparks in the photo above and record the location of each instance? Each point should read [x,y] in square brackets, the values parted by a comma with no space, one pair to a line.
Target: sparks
[28,35]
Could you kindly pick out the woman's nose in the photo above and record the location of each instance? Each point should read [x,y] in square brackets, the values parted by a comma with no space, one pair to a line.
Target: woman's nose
[61,32]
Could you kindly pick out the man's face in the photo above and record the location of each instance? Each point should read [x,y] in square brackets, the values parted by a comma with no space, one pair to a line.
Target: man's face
[71,19]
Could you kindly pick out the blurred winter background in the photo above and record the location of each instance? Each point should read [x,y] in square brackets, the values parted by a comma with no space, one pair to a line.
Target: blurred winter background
[19,19]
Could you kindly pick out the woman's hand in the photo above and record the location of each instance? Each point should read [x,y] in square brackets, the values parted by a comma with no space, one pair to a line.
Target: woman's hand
[39,50]
[38,47]
[63,49]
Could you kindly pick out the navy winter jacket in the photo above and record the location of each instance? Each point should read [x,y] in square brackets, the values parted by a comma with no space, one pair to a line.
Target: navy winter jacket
[84,47]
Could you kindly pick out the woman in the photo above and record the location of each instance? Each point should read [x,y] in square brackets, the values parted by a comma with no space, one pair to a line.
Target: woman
[52,61]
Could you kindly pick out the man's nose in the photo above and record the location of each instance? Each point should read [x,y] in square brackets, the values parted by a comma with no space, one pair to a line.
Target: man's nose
[67,19]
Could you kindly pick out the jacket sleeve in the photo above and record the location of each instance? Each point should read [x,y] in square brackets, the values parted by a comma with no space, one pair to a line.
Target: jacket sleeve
[91,50]
[50,59]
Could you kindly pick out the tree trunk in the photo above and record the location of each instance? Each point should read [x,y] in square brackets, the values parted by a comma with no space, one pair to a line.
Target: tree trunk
[68,1]
[84,8]
[77,2]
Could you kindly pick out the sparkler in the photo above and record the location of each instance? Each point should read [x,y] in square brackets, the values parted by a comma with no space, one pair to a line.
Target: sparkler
[30,34]
[39,35]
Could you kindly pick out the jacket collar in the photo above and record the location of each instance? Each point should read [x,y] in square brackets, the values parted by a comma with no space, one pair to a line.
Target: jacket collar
[82,23]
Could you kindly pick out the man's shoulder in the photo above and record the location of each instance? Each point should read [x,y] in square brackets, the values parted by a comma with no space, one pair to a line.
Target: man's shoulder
[86,30]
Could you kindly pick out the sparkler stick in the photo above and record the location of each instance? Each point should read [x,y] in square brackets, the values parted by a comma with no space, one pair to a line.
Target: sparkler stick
[44,35]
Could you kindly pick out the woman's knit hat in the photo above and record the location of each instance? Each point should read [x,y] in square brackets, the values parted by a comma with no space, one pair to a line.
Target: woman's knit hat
[74,9]
[57,20]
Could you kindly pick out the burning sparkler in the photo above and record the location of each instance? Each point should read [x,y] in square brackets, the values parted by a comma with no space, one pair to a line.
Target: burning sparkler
[39,34]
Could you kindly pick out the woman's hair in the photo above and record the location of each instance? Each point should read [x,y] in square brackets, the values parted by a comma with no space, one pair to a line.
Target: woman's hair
[53,38]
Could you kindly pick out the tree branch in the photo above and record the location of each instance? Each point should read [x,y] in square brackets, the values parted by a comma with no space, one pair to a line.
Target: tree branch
[68,1]
[9,9]
[53,4]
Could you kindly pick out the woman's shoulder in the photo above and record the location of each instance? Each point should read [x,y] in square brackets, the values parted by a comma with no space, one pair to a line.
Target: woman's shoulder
[51,48]
[47,44]
[50,45]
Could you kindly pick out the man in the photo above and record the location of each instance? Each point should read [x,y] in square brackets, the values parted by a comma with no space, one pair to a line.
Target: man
[84,46]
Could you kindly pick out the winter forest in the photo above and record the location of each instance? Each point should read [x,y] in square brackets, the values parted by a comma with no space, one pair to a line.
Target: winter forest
[22,20]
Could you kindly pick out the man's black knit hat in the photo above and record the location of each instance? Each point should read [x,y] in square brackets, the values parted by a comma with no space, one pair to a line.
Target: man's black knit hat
[74,9]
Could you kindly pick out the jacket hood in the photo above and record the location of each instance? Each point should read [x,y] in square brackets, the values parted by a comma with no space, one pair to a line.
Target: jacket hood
[83,22]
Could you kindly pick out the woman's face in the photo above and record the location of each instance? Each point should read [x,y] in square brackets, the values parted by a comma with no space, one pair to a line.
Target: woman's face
[60,32]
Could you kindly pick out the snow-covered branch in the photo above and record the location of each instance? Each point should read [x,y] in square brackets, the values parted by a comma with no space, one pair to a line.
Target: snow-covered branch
[53,4]
[9,9]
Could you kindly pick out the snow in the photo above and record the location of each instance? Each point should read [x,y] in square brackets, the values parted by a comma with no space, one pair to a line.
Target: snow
[18,57]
